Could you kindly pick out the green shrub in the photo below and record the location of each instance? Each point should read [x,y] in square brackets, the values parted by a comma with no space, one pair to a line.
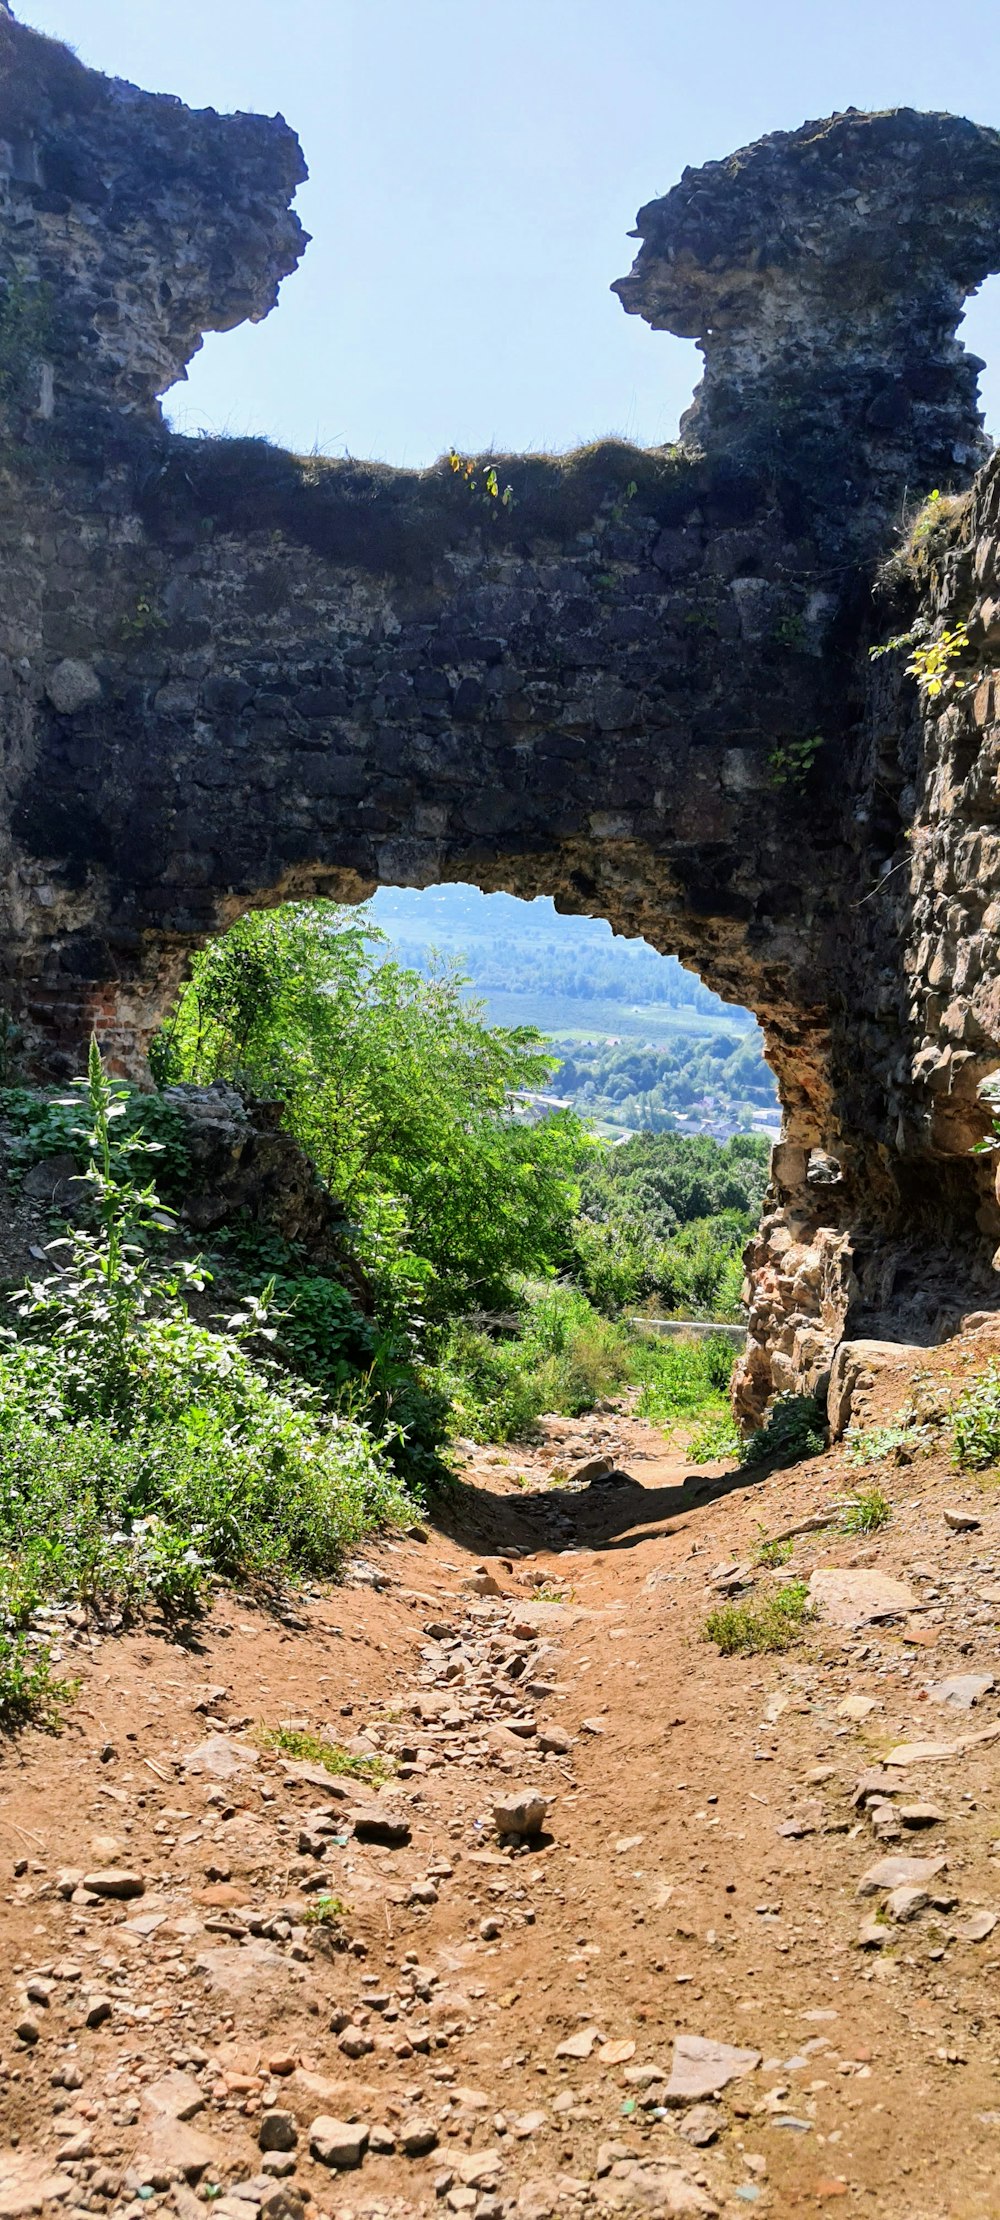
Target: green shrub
[772,1553]
[141,1452]
[866,1512]
[773,1623]
[28,1687]
[878,1443]
[41,1125]
[564,1358]
[398,1091]
[319,1331]
[795,1428]
[665,1218]
[976,1422]
[717,1437]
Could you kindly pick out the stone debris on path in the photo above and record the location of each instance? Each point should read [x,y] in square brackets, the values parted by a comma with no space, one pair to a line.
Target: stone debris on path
[853,1597]
[961,1691]
[608,1937]
[702,2068]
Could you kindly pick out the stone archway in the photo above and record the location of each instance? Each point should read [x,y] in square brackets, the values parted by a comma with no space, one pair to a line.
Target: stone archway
[230,675]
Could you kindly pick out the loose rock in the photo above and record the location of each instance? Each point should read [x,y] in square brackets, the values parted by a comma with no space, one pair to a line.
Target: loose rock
[701,2067]
[520,1811]
[339,2143]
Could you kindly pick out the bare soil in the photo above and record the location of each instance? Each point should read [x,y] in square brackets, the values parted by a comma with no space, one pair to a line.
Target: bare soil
[697,1873]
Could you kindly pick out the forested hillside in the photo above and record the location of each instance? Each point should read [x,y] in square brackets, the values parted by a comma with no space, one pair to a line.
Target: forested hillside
[642,1043]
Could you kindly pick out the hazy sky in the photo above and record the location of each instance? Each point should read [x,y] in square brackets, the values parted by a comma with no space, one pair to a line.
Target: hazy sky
[475,167]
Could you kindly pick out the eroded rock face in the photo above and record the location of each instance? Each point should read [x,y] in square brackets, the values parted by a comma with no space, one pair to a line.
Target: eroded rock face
[140,223]
[823,273]
[229,676]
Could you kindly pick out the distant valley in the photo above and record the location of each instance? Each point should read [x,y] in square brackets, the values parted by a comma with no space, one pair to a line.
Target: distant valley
[643,1044]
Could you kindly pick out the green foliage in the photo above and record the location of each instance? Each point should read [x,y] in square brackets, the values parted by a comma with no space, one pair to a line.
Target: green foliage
[898,641]
[773,1623]
[565,1358]
[716,1438]
[488,488]
[869,1509]
[651,1085]
[790,761]
[976,1422]
[665,1218]
[398,1092]
[325,1911]
[876,1444]
[139,1452]
[29,1690]
[931,662]
[931,658]
[772,1553]
[142,621]
[319,1331]
[40,1125]
[682,1380]
[667,1180]
[795,1428]
[315,1749]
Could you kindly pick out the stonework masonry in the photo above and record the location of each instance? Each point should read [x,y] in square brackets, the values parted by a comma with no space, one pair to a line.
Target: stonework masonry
[229,675]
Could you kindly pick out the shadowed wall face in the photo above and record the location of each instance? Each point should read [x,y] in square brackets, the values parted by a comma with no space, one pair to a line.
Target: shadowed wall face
[639,684]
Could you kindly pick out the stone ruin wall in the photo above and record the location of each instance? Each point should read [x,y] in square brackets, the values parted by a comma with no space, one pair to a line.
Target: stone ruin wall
[228,675]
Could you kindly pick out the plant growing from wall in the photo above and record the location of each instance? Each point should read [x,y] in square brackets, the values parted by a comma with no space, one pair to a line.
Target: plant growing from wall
[790,761]
[931,660]
[481,480]
[142,620]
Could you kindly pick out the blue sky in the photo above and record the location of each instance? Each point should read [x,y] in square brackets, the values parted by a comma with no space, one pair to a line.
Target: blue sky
[475,167]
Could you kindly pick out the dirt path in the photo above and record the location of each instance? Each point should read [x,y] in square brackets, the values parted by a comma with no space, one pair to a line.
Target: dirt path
[498,2035]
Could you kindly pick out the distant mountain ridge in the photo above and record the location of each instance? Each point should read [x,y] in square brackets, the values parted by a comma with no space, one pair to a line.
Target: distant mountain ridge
[514,946]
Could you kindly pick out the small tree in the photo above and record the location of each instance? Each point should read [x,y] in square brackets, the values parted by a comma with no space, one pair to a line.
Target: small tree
[400,1092]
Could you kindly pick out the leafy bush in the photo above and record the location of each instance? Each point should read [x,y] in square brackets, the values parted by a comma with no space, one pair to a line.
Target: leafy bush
[976,1422]
[682,1379]
[795,1428]
[28,1687]
[318,1330]
[666,1217]
[772,1552]
[40,1125]
[369,1369]
[717,1437]
[876,1444]
[662,1181]
[140,1452]
[564,1358]
[773,1623]
[400,1094]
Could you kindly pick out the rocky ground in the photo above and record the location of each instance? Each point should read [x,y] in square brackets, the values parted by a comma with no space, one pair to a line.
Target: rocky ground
[749,1959]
